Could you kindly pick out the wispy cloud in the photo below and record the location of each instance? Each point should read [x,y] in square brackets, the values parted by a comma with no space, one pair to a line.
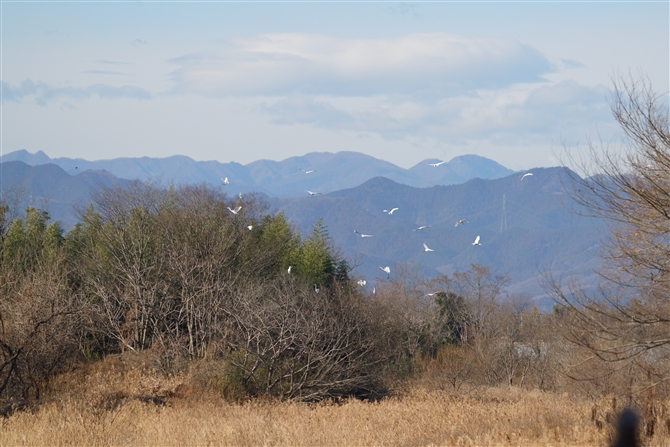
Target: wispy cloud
[41,93]
[105,72]
[108,62]
[513,113]
[418,64]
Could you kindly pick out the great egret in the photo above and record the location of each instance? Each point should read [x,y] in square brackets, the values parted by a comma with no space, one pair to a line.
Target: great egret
[476,242]
[526,175]
[225,181]
[289,269]
[391,211]
[462,221]
[422,227]
[362,235]
[425,247]
[250,227]
[312,193]
[435,165]
[361,282]
[307,172]
[387,269]
[236,210]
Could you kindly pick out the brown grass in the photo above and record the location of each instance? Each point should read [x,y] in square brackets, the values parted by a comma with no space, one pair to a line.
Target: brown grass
[118,403]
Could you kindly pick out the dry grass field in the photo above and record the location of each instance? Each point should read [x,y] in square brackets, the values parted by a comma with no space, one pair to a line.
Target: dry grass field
[116,404]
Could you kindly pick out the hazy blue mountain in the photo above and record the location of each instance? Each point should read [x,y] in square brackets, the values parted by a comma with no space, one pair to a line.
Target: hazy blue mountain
[332,171]
[49,187]
[458,170]
[538,232]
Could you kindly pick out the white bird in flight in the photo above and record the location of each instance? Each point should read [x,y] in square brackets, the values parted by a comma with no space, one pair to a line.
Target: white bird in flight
[425,247]
[526,175]
[476,242]
[462,221]
[389,212]
[307,172]
[435,165]
[236,210]
[362,235]
[312,193]
[361,282]
[250,227]
[225,181]
[422,227]
[387,269]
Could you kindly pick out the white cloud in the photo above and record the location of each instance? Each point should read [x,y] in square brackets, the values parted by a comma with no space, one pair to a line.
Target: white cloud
[426,64]
[513,114]
[41,93]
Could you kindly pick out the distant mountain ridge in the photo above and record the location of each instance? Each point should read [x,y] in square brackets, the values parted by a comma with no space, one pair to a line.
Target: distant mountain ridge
[331,171]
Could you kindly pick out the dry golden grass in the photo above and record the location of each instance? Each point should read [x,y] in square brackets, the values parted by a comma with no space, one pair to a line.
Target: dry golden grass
[113,405]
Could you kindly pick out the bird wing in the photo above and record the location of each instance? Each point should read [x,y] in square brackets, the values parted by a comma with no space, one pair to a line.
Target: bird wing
[476,240]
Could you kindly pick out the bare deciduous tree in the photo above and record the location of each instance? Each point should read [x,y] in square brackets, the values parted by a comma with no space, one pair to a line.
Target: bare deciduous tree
[627,322]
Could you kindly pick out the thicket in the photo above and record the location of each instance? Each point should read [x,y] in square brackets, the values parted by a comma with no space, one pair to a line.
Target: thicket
[174,272]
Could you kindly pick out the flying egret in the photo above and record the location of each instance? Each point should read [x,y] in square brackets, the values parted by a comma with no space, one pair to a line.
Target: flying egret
[526,175]
[225,181]
[307,172]
[387,269]
[425,247]
[250,227]
[312,193]
[389,212]
[435,165]
[362,235]
[236,210]
[476,242]
[361,282]
[462,221]
[422,227]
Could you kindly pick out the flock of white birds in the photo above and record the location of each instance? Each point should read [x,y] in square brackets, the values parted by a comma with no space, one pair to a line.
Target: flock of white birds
[385,269]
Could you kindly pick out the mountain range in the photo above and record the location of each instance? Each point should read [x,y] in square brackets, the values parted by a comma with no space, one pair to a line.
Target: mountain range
[527,227]
[332,171]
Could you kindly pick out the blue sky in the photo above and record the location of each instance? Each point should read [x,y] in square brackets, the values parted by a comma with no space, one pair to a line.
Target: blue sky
[512,81]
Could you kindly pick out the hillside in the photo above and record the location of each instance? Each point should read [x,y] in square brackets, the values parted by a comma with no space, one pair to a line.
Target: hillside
[49,187]
[539,232]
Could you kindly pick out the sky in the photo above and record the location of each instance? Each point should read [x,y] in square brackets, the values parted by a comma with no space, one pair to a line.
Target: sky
[517,82]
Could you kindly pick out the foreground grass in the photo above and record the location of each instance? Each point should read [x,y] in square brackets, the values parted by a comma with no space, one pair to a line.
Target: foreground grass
[109,406]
